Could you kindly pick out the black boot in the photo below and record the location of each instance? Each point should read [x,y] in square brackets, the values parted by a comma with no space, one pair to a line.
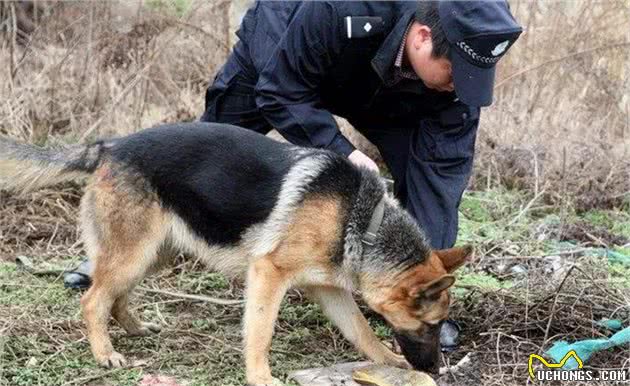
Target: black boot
[80,277]
[449,335]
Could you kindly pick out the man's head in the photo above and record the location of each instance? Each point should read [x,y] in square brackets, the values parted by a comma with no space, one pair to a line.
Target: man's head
[455,45]
[427,49]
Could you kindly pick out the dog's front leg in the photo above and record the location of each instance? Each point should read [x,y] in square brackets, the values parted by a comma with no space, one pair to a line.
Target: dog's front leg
[340,307]
[266,286]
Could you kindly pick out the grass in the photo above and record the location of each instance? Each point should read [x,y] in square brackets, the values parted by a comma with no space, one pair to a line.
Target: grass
[45,345]
[200,342]
[619,276]
[466,279]
[618,221]
[15,292]
[44,341]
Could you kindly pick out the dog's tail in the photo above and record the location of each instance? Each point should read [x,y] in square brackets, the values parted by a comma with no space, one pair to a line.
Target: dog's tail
[25,167]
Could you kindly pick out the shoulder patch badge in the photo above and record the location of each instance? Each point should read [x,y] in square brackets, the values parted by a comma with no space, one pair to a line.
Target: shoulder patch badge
[363,26]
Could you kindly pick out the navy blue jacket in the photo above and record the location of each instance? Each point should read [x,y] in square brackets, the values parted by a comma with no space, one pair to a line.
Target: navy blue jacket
[307,69]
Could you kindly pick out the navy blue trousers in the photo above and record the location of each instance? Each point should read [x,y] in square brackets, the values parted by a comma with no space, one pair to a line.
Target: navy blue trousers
[430,189]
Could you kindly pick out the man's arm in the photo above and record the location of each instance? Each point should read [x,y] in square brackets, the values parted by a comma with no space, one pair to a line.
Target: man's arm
[286,91]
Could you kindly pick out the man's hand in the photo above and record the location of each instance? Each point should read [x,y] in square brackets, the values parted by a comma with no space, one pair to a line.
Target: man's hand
[360,159]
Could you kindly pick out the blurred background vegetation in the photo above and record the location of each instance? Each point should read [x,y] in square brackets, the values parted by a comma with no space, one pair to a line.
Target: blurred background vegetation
[560,121]
[550,191]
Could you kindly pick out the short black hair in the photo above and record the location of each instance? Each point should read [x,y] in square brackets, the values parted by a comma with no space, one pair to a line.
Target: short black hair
[427,14]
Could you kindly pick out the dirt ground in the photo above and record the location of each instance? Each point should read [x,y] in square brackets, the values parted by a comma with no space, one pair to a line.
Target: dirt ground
[538,277]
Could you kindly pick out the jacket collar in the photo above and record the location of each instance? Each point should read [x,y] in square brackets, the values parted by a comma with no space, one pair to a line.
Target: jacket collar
[386,54]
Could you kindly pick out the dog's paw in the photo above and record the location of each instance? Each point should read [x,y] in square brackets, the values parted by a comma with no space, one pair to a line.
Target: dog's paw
[113,360]
[399,361]
[146,329]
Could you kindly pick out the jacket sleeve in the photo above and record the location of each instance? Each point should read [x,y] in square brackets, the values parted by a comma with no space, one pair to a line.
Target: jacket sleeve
[286,92]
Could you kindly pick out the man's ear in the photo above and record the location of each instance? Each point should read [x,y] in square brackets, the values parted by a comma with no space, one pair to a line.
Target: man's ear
[420,33]
[453,258]
[425,32]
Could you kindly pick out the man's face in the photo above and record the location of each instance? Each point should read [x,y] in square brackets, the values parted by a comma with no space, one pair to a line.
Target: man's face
[436,73]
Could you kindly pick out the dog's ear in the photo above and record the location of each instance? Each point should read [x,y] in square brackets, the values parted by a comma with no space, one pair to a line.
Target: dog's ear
[453,258]
[431,291]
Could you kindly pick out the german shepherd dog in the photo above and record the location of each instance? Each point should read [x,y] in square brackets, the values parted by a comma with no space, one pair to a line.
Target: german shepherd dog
[280,215]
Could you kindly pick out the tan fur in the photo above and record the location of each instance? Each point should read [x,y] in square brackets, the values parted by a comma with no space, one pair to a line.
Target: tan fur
[340,307]
[453,258]
[309,241]
[128,234]
[397,298]
[303,257]
[123,233]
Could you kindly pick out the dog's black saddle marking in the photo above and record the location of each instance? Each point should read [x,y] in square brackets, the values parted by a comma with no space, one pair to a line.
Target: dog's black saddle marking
[220,179]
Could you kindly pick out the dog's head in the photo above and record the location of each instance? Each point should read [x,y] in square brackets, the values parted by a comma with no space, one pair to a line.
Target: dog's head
[418,301]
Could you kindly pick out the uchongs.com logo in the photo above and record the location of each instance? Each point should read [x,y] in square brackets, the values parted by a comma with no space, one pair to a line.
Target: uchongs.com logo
[554,371]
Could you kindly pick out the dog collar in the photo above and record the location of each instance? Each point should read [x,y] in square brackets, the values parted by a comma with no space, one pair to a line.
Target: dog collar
[369,238]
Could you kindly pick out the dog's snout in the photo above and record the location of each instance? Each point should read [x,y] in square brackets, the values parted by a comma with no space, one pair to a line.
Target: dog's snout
[421,349]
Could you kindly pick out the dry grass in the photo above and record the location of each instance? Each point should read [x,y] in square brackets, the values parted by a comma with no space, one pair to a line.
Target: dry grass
[44,220]
[557,135]
[561,115]
[505,325]
[95,69]
[562,110]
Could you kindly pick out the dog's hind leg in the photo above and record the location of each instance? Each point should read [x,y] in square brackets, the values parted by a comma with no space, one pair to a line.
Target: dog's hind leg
[129,232]
[117,271]
[120,310]
[129,322]
[340,307]
[266,286]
